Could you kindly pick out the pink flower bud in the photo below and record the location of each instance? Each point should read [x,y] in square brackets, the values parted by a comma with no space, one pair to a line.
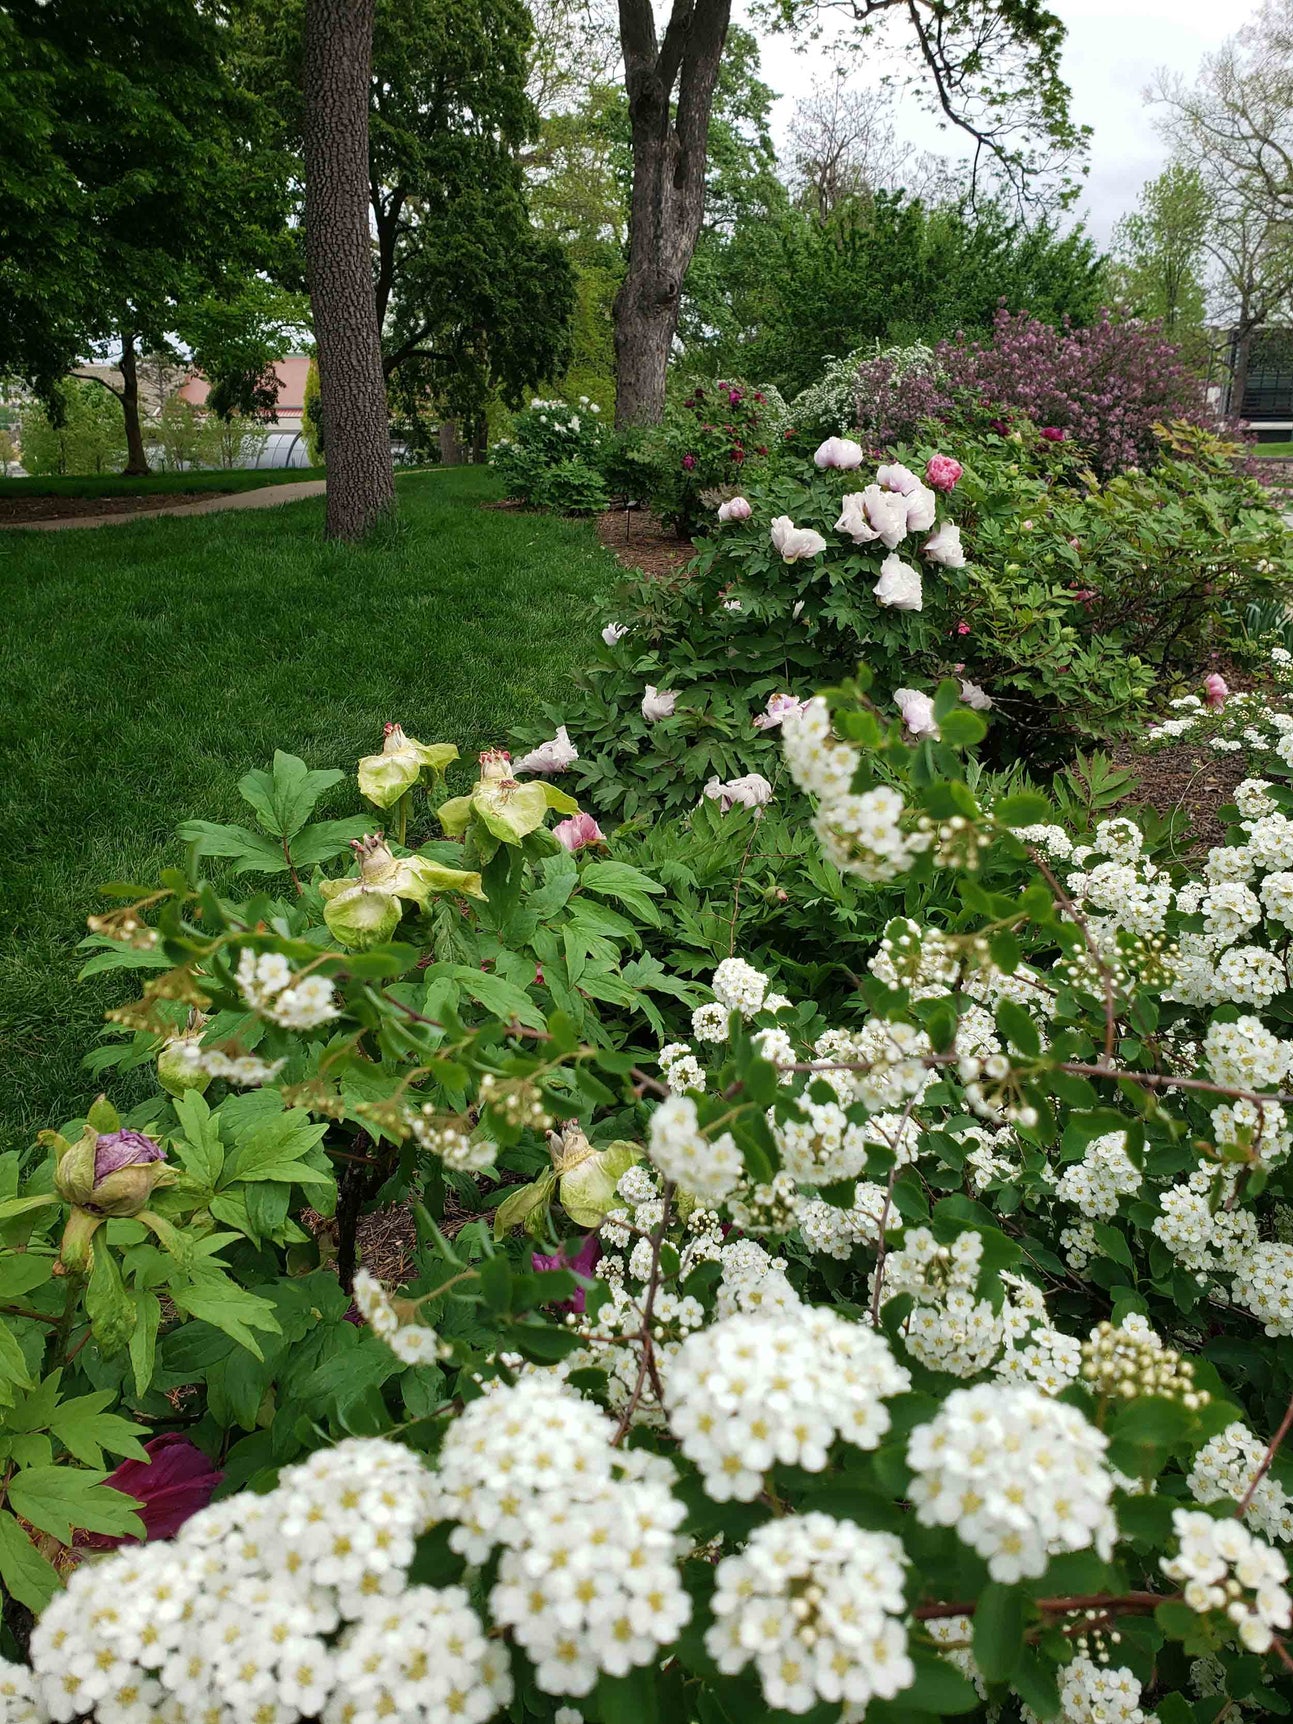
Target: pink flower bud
[1215,690]
[578,832]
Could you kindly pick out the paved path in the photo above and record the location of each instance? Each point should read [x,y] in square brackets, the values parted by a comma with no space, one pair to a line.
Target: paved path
[266,497]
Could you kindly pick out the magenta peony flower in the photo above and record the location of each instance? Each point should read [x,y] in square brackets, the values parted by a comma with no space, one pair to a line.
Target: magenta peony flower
[117,1149]
[942,472]
[689,461]
[1215,690]
[583,1262]
[174,1482]
[1053,434]
[578,832]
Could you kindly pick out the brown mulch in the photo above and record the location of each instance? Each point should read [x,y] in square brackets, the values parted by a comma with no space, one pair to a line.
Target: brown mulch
[1186,784]
[642,542]
[60,508]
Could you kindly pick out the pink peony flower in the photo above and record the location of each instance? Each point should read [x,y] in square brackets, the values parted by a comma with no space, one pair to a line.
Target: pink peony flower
[578,832]
[583,1262]
[735,509]
[942,472]
[1214,688]
[174,1482]
[556,755]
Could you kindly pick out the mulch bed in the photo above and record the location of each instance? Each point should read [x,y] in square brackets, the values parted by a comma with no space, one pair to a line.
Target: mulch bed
[642,542]
[1186,784]
[61,508]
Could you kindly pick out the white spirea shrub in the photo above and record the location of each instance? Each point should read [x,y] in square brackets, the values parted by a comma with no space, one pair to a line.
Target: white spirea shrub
[1021,1478]
[751,1391]
[815,1604]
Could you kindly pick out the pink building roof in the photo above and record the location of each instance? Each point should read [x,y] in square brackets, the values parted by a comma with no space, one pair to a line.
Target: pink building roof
[291,371]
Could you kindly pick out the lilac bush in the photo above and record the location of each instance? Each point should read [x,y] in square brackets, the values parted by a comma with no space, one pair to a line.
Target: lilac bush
[1104,387]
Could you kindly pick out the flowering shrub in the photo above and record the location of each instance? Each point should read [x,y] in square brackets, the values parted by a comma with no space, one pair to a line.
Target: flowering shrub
[1105,386]
[847,395]
[720,433]
[921,1357]
[553,458]
[1062,601]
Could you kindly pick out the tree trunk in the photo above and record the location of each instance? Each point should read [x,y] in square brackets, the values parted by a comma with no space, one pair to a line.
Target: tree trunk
[1239,372]
[451,453]
[670,143]
[136,455]
[339,264]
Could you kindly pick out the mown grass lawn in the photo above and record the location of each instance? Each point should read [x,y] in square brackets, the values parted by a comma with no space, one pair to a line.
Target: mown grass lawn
[146,667]
[154,484]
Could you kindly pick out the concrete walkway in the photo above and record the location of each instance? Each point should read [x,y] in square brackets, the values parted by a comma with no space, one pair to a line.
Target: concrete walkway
[266,497]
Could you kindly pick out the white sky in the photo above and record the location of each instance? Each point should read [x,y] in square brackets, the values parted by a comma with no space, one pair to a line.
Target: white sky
[1113,50]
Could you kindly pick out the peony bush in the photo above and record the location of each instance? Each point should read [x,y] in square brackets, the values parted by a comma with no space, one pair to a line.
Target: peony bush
[923,1354]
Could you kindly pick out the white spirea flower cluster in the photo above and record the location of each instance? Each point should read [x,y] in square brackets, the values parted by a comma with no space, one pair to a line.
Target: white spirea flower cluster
[413,1342]
[404,1658]
[709,1169]
[1092,1693]
[1021,1478]
[453,1140]
[244,1070]
[739,987]
[949,1328]
[682,1070]
[862,835]
[815,1605]
[18,1702]
[750,1391]
[267,984]
[1105,1173]
[838,1232]
[1264,1284]
[1221,1566]
[1224,1469]
[822,1145]
[235,1617]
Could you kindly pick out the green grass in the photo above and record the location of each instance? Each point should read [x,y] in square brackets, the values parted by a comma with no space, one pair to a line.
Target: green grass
[145,669]
[1263,449]
[117,485]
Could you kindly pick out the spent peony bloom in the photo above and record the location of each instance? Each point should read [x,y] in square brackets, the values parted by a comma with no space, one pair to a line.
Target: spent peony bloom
[899,587]
[1216,690]
[780,706]
[839,452]
[792,543]
[735,509]
[917,711]
[942,472]
[752,791]
[658,703]
[556,755]
[385,777]
[578,832]
[943,546]
[614,632]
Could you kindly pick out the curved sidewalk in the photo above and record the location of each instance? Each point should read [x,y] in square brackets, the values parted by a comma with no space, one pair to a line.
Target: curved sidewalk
[264,497]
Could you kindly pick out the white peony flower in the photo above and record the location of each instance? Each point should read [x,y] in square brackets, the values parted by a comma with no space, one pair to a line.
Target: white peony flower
[917,711]
[658,703]
[974,696]
[556,755]
[943,546]
[896,477]
[922,508]
[735,509]
[614,632]
[752,791]
[840,452]
[792,542]
[899,587]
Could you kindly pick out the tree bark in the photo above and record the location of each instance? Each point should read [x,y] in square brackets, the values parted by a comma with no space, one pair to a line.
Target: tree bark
[136,455]
[670,144]
[339,264]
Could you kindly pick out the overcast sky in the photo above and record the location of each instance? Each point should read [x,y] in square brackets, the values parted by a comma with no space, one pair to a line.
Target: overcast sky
[1114,48]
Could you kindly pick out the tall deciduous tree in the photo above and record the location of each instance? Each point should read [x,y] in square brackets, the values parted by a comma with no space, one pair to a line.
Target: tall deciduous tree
[338,250]
[991,67]
[1160,248]
[134,177]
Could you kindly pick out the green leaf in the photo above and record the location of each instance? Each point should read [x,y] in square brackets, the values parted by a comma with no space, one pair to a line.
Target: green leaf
[999,1618]
[1024,808]
[85,1430]
[272,1143]
[963,727]
[13,1363]
[323,839]
[217,1300]
[939,1688]
[631,1699]
[200,1151]
[143,1339]
[24,1571]
[56,1499]
[283,800]
[252,851]
[1018,1028]
[1034,1682]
